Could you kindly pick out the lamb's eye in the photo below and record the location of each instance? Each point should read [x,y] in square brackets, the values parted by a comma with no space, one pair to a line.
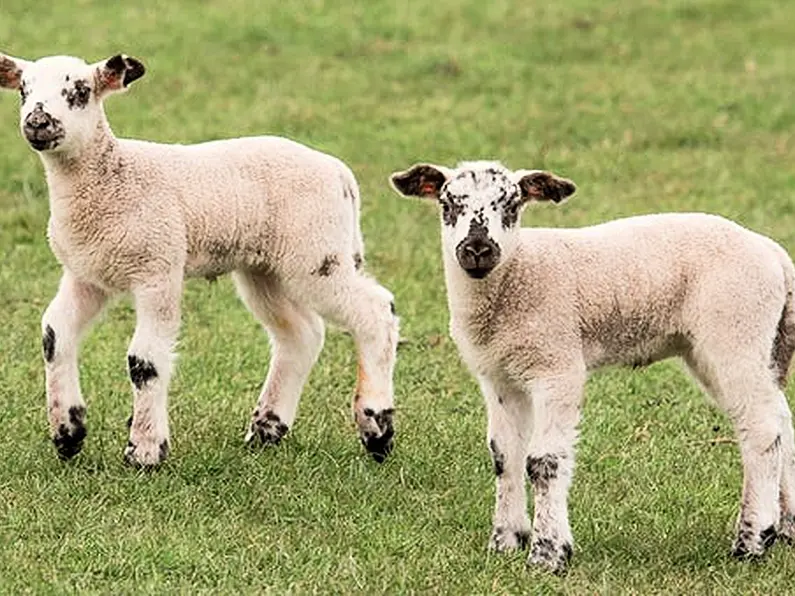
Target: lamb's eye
[445,208]
[82,94]
[23,94]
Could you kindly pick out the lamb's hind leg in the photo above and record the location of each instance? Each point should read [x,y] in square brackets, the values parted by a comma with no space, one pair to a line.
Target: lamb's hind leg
[787,497]
[68,315]
[366,309]
[149,358]
[296,335]
[761,417]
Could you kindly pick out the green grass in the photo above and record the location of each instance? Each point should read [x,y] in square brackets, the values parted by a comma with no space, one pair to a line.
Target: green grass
[648,105]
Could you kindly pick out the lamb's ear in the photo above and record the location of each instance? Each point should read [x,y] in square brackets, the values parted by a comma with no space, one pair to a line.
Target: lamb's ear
[116,73]
[538,185]
[420,180]
[11,72]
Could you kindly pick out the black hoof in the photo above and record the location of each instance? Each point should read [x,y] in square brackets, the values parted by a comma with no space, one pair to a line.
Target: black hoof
[143,459]
[748,547]
[267,430]
[68,439]
[379,445]
[553,557]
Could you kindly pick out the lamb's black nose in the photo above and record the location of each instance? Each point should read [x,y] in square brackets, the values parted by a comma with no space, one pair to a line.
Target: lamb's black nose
[38,118]
[478,249]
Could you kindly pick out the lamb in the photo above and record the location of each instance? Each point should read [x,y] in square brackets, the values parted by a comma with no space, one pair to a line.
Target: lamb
[533,310]
[136,217]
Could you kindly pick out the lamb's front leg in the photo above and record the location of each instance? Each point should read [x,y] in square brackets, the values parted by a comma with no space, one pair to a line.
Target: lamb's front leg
[510,420]
[65,319]
[550,465]
[149,359]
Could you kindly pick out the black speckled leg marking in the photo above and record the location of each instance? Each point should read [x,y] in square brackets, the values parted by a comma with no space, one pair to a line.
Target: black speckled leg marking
[130,459]
[554,557]
[502,539]
[749,545]
[68,439]
[48,344]
[541,470]
[497,457]
[141,371]
[379,445]
[269,429]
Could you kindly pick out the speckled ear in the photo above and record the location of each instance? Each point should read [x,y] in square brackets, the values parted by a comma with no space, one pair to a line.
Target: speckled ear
[420,180]
[538,185]
[117,72]
[11,72]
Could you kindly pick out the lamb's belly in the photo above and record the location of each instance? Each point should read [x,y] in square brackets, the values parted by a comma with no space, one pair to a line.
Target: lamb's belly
[220,260]
[640,352]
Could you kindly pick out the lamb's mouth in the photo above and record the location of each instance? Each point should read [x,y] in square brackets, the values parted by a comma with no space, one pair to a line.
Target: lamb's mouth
[478,272]
[42,142]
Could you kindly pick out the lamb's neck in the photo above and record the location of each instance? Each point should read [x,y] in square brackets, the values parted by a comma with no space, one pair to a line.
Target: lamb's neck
[69,172]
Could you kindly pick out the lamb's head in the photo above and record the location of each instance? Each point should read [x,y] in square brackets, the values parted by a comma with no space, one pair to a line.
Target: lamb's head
[481,205]
[61,96]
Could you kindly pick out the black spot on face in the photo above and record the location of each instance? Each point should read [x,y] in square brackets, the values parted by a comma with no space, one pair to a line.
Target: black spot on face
[23,92]
[357,261]
[327,267]
[541,470]
[78,95]
[48,343]
[141,371]
[392,307]
[452,208]
[498,457]
[68,440]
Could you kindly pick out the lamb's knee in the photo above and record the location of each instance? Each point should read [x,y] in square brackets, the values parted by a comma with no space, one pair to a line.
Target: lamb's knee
[48,343]
[497,458]
[141,371]
[543,469]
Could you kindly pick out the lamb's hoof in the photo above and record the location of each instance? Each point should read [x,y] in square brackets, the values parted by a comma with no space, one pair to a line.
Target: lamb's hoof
[551,556]
[68,437]
[504,539]
[266,430]
[750,545]
[376,431]
[787,528]
[146,454]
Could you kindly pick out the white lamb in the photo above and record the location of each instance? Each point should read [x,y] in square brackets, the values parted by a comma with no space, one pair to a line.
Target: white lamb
[133,216]
[533,310]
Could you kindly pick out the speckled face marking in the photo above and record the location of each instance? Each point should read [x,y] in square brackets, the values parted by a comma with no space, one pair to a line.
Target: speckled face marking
[61,96]
[77,95]
[481,205]
[486,192]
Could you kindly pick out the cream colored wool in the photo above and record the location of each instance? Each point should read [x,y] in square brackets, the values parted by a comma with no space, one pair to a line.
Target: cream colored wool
[558,303]
[138,217]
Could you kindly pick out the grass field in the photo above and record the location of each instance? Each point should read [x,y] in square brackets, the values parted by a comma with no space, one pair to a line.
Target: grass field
[648,105]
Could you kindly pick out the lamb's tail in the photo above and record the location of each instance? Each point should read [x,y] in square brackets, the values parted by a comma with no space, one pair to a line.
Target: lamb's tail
[784,344]
[351,192]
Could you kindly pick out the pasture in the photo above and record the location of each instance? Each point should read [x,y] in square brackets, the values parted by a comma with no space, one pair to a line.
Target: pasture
[648,105]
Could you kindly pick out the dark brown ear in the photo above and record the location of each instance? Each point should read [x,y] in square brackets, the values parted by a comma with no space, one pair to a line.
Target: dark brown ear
[420,180]
[538,185]
[116,73]
[11,72]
